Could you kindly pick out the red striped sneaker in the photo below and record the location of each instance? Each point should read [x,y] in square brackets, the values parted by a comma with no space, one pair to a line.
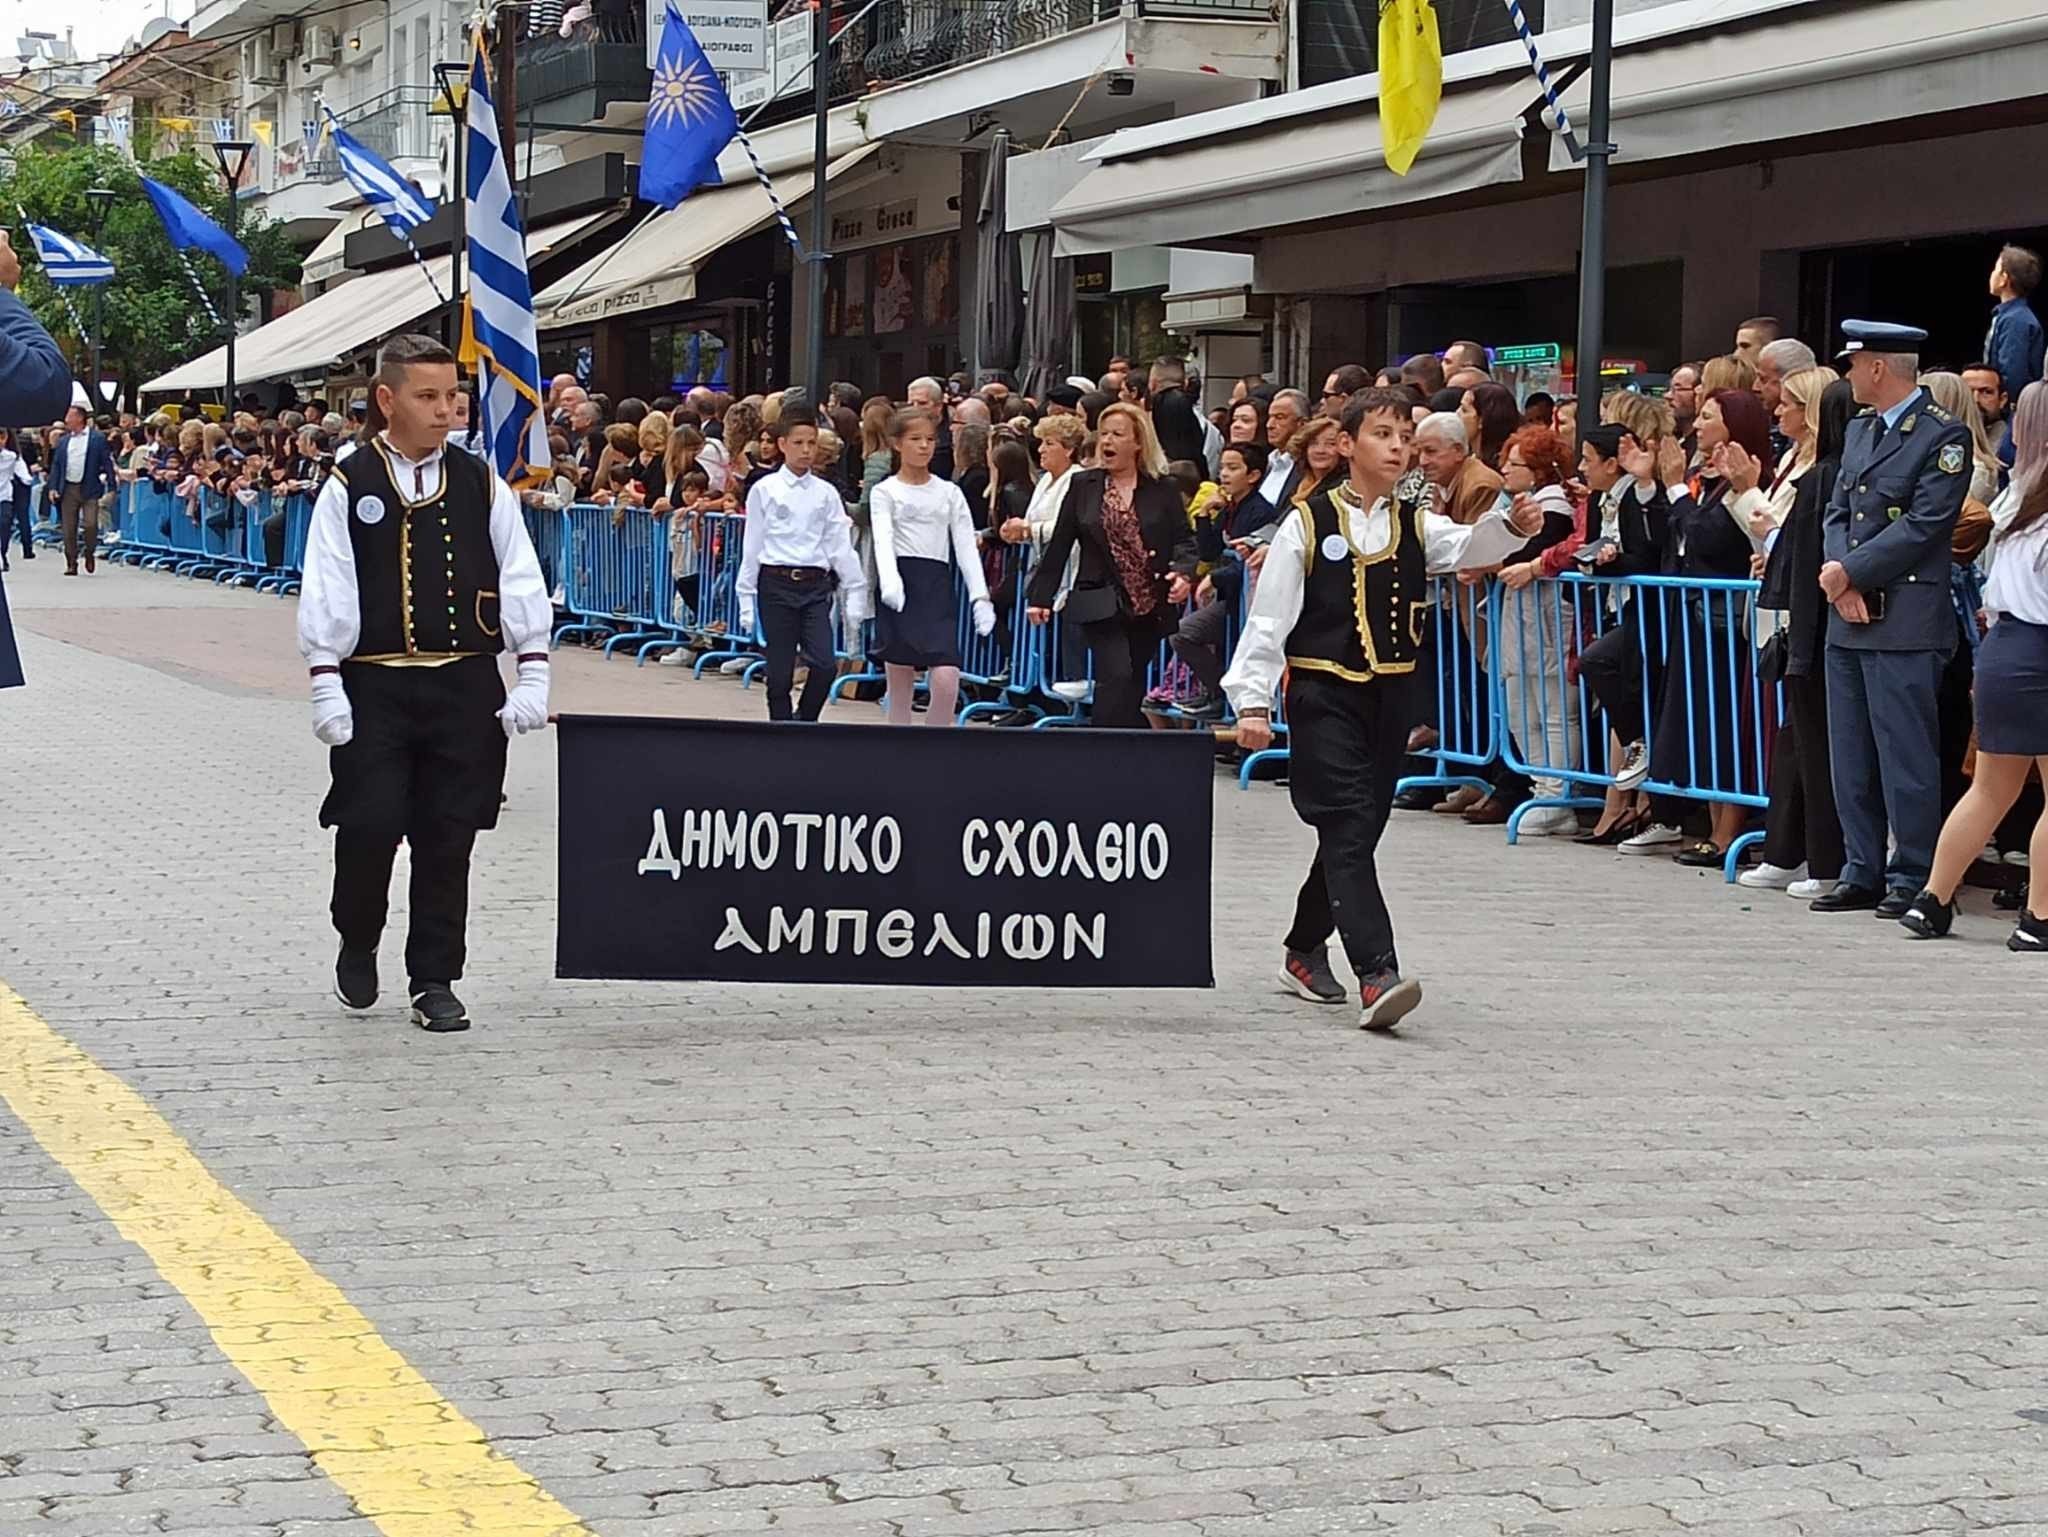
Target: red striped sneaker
[1307,974]
[1388,1000]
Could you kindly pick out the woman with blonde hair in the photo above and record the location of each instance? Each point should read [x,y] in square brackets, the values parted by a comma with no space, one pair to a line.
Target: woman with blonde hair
[1955,397]
[1727,373]
[1137,559]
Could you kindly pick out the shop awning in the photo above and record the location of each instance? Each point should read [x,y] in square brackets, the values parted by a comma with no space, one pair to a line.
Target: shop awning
[327,328]
[657,263]
[1292,173]
[1813,71]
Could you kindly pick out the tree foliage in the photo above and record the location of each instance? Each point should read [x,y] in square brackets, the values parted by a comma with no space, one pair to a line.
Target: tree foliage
[154,320]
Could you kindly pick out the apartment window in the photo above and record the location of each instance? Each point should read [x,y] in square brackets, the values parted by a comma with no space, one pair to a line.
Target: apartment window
[1340,38]
[423,51]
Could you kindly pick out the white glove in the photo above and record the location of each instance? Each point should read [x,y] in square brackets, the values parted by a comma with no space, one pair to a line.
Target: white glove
[526,707]
[334,718]
[746,617]
[984,616]
[892,595]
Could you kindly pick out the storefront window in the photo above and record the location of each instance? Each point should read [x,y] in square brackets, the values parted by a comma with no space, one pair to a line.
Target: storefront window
[681,357]
[567,352]
[892,312]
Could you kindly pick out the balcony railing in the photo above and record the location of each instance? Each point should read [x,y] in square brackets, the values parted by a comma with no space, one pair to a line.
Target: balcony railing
[395,124]
[605,59]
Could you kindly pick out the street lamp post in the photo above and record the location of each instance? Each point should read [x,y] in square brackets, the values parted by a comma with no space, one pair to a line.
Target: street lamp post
[233,156]
[97,201]
[454,83]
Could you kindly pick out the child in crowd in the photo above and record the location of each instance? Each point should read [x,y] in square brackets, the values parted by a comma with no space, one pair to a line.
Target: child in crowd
[922,530]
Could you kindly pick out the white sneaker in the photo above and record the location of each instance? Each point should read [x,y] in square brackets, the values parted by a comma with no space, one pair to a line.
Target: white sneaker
[1652,840]
[1635,768]
[736,666]
[2017,858]
[1770,877]
[676,658]
[1809,891]
[1549,822]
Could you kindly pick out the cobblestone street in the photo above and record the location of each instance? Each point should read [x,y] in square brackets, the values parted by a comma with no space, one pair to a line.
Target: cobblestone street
[1678,1210]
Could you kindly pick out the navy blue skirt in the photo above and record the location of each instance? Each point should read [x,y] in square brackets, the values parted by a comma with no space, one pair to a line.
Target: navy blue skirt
[927,631]
[2012,690]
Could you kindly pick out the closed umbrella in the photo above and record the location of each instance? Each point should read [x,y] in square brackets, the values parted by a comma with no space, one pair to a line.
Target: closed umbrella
[998,270]
[1048,320]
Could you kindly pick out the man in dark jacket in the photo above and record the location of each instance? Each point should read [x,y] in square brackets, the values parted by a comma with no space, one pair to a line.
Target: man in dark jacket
[35,384]
[2014,345]
[81,472]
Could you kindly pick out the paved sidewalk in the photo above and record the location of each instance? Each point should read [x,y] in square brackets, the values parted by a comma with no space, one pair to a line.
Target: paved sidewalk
[1681,1210]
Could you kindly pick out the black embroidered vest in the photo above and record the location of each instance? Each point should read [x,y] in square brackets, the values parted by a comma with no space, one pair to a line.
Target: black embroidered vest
[426,571]
[1363,612]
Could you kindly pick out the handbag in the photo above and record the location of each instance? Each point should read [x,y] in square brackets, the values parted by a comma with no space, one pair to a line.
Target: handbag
[1772,659]
[1093,605]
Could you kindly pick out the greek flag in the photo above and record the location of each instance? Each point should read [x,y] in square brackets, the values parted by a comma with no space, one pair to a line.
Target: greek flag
[498,333]
[68,263]
[397,201]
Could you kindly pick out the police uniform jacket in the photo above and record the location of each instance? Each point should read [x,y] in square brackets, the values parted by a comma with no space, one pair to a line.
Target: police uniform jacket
[1890,521]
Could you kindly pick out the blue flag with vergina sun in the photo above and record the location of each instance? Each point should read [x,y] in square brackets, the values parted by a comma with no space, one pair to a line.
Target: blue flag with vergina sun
[689,118]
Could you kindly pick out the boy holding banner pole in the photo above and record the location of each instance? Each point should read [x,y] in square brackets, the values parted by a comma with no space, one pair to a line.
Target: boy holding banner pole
[1341,608]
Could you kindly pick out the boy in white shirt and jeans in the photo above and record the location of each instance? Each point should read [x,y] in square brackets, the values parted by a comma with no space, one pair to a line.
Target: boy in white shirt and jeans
[798,552]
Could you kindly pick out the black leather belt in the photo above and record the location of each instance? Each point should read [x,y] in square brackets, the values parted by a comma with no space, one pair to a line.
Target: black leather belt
[799,573]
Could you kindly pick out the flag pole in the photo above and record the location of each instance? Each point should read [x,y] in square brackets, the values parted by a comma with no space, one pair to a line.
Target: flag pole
[1593,237]
[818,256]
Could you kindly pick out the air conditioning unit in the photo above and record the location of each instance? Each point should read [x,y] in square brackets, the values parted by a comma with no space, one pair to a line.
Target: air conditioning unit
[259,65]
[284,40]
[322,47]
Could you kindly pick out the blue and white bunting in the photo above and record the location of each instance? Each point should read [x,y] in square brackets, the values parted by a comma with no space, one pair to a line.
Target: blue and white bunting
[499,337]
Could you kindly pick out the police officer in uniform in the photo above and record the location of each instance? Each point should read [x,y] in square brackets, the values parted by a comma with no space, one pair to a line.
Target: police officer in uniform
[418,573]
[1905,472]
[1342,607]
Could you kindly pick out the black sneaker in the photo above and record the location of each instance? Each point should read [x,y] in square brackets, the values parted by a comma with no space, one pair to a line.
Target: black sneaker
[355,978]
[1307,974]
[1388,1000]
[1929,917]
[1893,904]
[1203,706]
[435,1007]
[2031,935]
[2011,899]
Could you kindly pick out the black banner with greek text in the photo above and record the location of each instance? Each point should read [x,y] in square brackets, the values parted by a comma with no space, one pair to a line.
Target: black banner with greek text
[751,852]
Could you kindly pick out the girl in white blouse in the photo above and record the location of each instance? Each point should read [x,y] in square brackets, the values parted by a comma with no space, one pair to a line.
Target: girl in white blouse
[922,530]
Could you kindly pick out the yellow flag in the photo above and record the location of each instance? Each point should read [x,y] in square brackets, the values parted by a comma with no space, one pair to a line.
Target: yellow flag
[1411,79]
[261,129]
[66,116]
[177,124]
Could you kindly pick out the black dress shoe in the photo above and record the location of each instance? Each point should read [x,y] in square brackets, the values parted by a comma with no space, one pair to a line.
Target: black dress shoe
[1850,899]
[1896,904]
[435,1007]
[1419,798]
[355,978]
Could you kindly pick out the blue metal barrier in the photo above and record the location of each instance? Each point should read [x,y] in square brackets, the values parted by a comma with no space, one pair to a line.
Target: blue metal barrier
[1546,720]
[1465,717]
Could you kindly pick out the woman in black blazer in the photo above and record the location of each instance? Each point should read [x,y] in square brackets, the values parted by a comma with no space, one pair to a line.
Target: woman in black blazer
[1137,559]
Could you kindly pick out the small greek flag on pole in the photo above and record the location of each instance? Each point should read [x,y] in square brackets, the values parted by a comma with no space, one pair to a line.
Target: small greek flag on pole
[499,338]
[396,201]
[69,263]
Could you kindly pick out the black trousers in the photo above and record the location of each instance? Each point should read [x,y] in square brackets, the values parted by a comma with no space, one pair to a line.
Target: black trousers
[17,521]
[1801,827]
[796,619]
[436,943]
[1345,746]
[1122,650]
[1958,719]
[426,765]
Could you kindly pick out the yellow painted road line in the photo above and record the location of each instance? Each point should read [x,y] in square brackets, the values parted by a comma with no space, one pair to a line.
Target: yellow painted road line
[406,1456]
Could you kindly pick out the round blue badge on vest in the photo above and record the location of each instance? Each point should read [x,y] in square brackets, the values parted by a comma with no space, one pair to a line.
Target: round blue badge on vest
[1334,547]
[371,509]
